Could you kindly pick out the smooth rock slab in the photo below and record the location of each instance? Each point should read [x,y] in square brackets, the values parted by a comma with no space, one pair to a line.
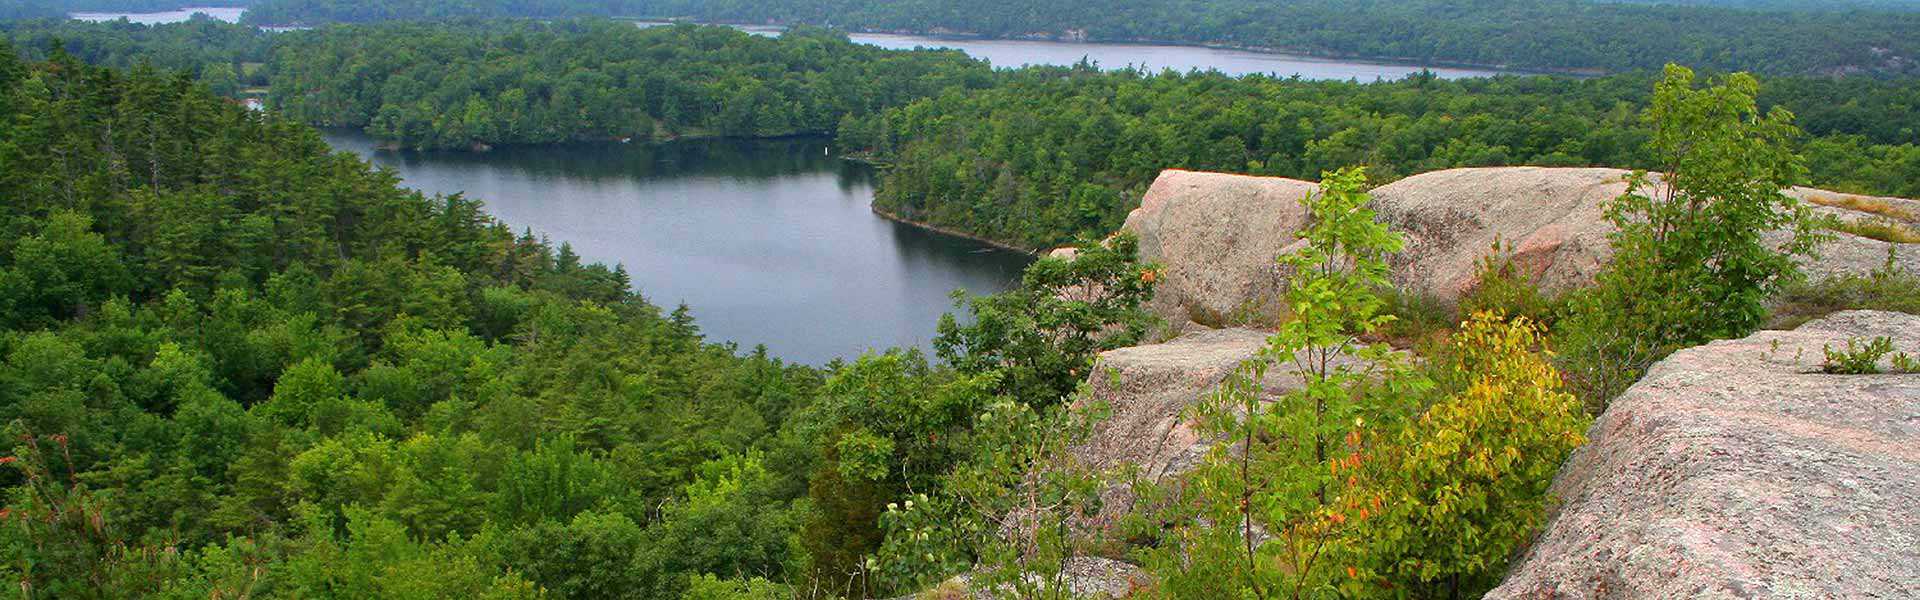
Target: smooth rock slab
[1739,470]
[1218,237]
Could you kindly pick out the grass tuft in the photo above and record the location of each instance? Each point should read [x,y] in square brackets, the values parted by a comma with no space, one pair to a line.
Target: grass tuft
[1866,205]
[1885,230]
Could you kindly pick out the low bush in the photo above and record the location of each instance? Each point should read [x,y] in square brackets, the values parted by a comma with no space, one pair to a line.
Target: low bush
[1883,229]
[1889,288]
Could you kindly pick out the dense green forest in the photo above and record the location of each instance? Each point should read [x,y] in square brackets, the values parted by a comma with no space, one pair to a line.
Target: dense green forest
[1051,154]
[522,82]
[225,56]
[236,364]
[1541,34]
[27,9]
[1033,157]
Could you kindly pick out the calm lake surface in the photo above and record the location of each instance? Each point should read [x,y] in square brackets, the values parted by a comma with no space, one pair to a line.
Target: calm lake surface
[1155,57]
[230,15]
[1148,57]
[768,242]
[773,242]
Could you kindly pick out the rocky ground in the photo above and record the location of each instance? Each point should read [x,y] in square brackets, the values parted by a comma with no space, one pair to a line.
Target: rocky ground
[1739,470]
[1217,235]
[1735,469]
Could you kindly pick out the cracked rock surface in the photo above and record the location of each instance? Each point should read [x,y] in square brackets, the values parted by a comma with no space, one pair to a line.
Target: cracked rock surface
[1739,470]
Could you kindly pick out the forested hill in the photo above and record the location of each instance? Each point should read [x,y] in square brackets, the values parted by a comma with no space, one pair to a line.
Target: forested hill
[223,346]
[1539,34]
[431,85]
[1050,155]
[27,9]
[1032,157]
[236,364]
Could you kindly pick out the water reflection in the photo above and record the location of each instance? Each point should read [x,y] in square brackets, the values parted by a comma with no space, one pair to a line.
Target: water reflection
[768,241]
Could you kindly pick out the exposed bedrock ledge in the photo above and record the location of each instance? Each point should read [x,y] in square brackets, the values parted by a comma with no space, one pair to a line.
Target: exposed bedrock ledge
[1217,235]
[1739,470]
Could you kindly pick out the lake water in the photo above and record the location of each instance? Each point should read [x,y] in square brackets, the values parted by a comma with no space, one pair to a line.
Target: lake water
[773,242]
[1018,53]
[1149,57]
[768,242]
[1154,57]
[230,15]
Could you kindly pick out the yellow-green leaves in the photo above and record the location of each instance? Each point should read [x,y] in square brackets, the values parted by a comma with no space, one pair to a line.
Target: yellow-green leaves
[1467,483]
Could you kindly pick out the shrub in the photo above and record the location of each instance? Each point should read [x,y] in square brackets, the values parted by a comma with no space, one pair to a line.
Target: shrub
[1887,288]
[1452,495]
[1265,510]
[1690,263]
[1504,287]
[1042,337]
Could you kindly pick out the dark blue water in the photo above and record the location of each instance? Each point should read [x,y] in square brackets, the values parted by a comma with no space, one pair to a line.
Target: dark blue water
[768,242]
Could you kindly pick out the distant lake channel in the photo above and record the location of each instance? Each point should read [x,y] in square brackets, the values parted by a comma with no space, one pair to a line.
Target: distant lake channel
[772,241]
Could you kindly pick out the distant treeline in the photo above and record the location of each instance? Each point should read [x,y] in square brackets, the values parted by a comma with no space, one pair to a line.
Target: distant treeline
[1538,34]
[227,57]
[1053,154]
[1033,157]
[62,7]
[522,82]
[27,9]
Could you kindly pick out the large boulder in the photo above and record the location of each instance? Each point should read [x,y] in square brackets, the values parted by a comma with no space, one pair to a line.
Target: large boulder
[1739,470]
[1217,236]
[1149,391]
[1554,220]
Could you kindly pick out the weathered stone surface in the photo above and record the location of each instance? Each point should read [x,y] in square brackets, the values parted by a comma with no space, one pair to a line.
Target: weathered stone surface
[1148,390]
[1217,235]
[1739,470]
[1553,218]
[1088,577]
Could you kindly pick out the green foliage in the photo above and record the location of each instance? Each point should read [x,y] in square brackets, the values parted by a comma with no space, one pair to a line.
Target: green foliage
[1278,491]
[1564,34]
[1010,514]
[1042,337]
[58,272]
[1690,262]
[708,587]
[886,425]
[1449,498]
[1859,358]
[376,558]
[1505,285]
[1886,288]
[528,82]
[272,370]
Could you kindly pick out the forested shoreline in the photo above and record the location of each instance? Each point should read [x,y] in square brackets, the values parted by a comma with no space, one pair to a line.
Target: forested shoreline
[235,363]
[1049,154]
[1538,34]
